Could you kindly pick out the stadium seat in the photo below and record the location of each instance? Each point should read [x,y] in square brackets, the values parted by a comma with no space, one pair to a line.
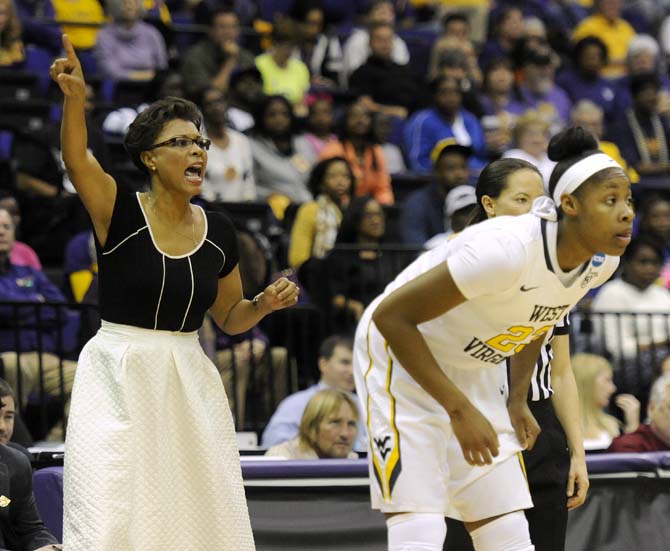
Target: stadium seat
[19,85]
[38,61]
[29,115]
[6,139]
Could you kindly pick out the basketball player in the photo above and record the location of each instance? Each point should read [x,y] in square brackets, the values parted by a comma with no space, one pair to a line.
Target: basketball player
[444,438]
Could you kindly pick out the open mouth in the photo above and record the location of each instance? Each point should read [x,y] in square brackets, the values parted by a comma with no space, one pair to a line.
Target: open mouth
[194,173]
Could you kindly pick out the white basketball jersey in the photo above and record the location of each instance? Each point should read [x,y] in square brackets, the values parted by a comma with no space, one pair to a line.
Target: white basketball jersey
[506,267]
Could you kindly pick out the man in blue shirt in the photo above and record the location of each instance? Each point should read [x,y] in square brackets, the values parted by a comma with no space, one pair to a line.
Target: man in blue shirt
[446,119]
[423,214]
[39,329]
[335,365]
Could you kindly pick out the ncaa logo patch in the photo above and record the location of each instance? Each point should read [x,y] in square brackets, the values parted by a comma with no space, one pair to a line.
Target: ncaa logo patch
[598,260]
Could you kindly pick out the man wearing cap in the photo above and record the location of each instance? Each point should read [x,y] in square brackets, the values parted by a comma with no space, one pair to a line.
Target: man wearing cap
[211,61]
[539,90]
[423,213]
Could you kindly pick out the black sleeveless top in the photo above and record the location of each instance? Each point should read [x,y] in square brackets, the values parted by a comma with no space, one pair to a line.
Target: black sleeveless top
[142,286]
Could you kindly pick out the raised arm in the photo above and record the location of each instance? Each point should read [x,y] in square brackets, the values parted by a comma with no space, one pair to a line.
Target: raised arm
[397,317]
[95,187]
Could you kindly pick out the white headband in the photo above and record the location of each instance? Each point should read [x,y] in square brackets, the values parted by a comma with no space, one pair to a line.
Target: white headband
[581,171]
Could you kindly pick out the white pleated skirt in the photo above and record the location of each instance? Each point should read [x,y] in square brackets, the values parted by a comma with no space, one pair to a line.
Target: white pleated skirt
[151,458]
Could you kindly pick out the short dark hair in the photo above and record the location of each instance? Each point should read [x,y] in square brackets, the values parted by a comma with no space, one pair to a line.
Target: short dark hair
[493,181]
[148,124]
[262,107]
[640,241]
[328,345]
[642,81]
[301,9]
[6,390]
[221,9]
[455,16]
[495,63]
[318,173]
[351,219]
[584,43]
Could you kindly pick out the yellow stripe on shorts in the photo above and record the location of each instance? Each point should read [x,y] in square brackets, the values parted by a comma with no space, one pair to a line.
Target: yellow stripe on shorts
[523,467]
[386,474]
[393,466]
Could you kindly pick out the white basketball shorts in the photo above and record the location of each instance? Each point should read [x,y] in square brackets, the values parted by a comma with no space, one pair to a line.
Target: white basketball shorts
[416,462]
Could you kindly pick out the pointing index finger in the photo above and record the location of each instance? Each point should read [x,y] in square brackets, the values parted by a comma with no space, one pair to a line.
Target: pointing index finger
[69,49]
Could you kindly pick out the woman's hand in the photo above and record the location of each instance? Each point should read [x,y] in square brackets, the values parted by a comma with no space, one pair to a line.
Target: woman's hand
[278,295]
[631,411]
[66,71]
[477,437]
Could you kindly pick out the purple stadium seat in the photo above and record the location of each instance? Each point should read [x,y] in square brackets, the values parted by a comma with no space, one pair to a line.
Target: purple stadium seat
[48,490]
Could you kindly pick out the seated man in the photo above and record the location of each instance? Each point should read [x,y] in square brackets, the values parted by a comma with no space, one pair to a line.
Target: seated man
[10,420]
[327,429]
[39,331]
[21,528]
[335,365]
[655,436]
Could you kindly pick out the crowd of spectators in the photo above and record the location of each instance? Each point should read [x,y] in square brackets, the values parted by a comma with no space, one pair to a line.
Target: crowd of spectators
[357,129]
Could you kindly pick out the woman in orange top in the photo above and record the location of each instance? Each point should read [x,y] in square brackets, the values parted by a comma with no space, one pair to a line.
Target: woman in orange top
[358,146]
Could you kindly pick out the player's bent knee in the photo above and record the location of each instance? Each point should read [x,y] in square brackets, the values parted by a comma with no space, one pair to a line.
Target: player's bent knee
[416,532]
[506,533]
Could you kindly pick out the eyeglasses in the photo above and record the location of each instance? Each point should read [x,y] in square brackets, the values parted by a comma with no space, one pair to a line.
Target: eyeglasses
[183,142]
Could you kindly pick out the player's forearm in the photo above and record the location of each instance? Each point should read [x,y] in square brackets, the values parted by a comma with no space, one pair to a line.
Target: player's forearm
[566,403]
[411,350]
[73,133]
[522,365]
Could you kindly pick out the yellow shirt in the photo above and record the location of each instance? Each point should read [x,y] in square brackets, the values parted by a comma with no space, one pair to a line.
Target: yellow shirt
[12,53]
[80,11]
[291,81]
[611,149]
[616,37]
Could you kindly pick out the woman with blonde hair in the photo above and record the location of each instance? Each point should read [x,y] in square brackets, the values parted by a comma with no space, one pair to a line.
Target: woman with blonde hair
[593,375]
[327,430]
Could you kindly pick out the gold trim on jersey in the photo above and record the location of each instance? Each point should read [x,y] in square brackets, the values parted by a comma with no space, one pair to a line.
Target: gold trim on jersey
[386,474]
[523,467]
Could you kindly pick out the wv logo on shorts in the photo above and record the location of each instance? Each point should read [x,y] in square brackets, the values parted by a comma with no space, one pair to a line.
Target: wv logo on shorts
[384,445]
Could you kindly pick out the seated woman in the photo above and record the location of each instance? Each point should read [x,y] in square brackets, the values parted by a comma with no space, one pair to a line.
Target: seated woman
[327,430]
[358,271]
[654,219]
[282,159]
[11,45]
[317,222]
[637,331]
[358,145]
[593,375]
[320,121]
[127,48]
